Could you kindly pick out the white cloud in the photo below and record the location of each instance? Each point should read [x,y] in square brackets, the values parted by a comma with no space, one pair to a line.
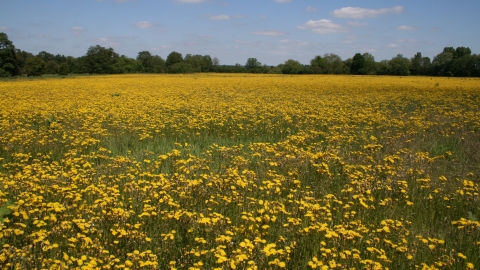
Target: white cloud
[3,28]
[405,28]
[356,24]
[393,45]
[323,26]
[190,1]
[360,13]
[270,33]
[310,9]
[283,1]
[77,31]
[294,42]
[144,24]
[219,17]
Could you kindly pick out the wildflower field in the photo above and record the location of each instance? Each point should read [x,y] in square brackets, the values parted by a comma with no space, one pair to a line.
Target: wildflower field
[210,171]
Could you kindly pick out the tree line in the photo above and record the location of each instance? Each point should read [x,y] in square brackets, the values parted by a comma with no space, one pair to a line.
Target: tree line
[458,62]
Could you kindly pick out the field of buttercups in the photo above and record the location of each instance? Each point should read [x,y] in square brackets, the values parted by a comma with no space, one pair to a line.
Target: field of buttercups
[210,171]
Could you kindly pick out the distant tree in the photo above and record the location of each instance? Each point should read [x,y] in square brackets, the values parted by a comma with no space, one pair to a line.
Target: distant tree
[400,65]
[416,67]
[318,65]
[441,62]
[207,63]
[34,66]
[8,58]
[292,67]
[100,60]
[215,61]
[146,59]
[45,56]
[195,61]
[181,67]
[369,66]
[252,63]
[383,68]
[172,59]
[22,57]
[158,64]
[358,64]
[51,67]
[334,63]
[126,64]
[63,69]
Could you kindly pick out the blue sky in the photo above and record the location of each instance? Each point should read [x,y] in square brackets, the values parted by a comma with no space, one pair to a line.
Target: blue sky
[272,31]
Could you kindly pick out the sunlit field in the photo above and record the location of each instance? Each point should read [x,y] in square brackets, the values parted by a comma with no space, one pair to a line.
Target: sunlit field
[240,172]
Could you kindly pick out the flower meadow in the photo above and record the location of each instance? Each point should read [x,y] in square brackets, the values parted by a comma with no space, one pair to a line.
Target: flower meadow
[211,171]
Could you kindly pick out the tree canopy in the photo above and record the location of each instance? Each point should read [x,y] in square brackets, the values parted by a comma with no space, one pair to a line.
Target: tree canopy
[100,60]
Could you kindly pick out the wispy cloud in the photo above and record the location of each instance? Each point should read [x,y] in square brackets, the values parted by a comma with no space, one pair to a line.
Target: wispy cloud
[270,33]
[144,24]
[77,31]
[294,42]
[219,17]
[283,1]
[323,26]
[310,9]
[393,45]
[361,13]
[3,28]
[406,28]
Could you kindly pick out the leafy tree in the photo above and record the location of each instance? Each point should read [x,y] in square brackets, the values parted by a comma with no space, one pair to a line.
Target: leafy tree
[358,64]
[158,64]
[181,67]
[318,65]
[334,63]
[34,66]
[420,65]
[442,62]
[100,60]
[207,64]
[369,65]
[172,59]
[22,57]
[8,58]
[63,69]
[292,67]
[51,67]
[383,68]
[252,63]
[215,61]
[146,59]
[125,64]
[45,56]
[400,65]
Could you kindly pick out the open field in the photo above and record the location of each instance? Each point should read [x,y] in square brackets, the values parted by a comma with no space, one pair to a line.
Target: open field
[240,171]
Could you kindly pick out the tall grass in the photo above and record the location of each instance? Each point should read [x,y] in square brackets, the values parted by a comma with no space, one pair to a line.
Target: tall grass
[256,172]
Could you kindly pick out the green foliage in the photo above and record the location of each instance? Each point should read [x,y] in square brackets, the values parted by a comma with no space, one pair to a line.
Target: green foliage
[63,69]
[172,59]
[358,64]
[8,58]
[34,66]
[51,67]
[100,60]
[292,67]
[400,65]
[252,64]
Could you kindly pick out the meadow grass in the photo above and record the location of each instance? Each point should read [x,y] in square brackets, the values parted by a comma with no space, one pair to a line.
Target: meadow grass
[208,171]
